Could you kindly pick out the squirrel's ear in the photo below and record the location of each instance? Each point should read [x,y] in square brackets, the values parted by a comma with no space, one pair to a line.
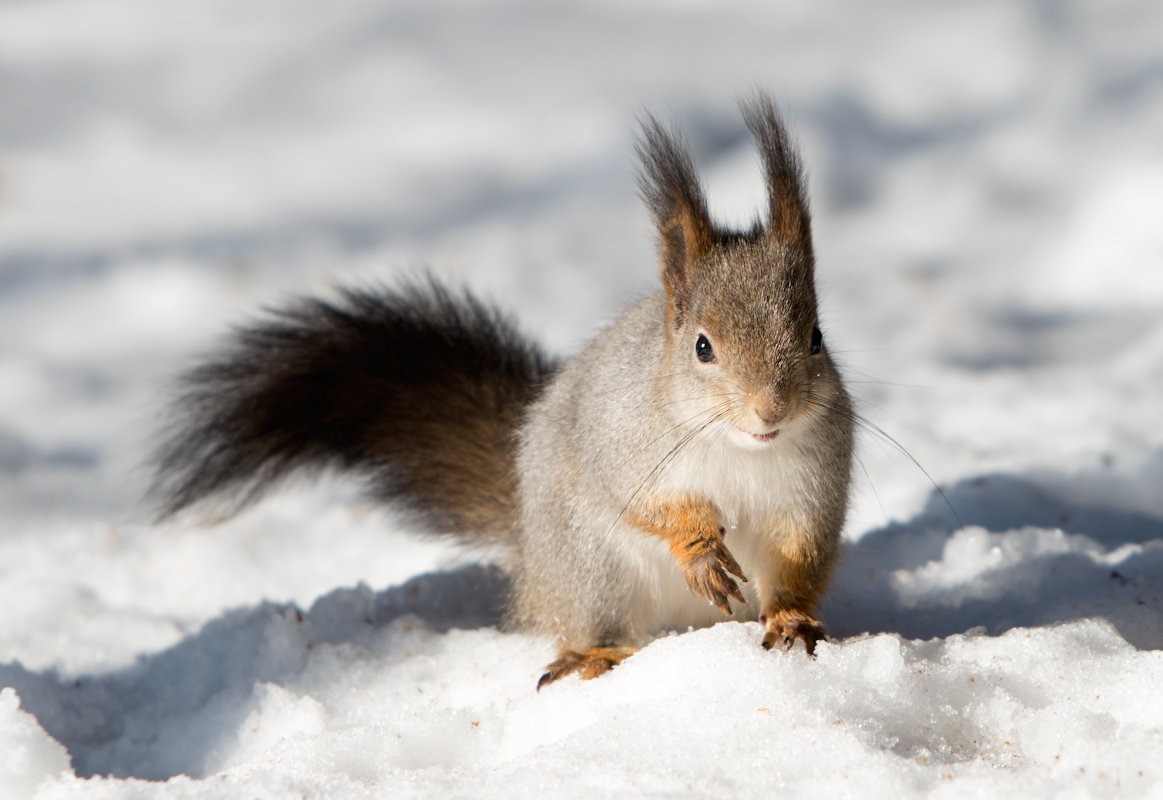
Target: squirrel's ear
[667,180]
[783,173]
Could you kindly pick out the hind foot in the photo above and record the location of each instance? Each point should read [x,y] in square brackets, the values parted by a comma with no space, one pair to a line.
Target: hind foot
[592,663]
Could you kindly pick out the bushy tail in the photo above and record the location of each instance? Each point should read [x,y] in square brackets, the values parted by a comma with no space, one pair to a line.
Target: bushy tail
[420,390]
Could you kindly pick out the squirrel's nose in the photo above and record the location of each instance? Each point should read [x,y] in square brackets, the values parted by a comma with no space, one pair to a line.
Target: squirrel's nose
[770,414]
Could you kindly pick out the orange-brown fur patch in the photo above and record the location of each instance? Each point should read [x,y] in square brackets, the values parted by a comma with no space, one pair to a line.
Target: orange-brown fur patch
[686,238]
[789,615]
[690,526]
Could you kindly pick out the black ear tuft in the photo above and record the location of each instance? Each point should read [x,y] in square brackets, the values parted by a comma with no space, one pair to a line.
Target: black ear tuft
[783,172]
[667,180]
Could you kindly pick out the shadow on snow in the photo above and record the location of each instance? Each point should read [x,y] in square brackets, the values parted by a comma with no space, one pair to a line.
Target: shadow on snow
[1056,555]
[169,714]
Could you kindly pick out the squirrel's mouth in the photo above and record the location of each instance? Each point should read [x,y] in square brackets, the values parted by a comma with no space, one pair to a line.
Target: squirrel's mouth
[759,438]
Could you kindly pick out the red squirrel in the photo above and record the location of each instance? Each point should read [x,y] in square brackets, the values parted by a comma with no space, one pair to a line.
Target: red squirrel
[697,453]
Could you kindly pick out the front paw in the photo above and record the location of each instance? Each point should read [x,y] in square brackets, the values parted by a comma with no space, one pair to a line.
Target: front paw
[784,629]
[708,566]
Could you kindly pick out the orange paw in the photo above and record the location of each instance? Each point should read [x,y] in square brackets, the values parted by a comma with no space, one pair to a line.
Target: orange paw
[592,663]
[785,628]
[708,566]
[689,525]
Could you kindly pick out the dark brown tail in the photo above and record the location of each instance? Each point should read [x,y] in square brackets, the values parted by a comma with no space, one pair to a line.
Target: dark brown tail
[419,390]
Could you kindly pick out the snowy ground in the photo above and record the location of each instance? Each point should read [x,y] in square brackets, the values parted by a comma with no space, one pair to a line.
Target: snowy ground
[987,180]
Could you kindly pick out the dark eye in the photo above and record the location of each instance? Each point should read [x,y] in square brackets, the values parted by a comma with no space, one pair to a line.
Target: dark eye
[817,340]
[703,350]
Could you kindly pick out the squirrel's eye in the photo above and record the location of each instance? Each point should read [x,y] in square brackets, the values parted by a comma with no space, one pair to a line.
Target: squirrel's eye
[703,350]
[817,340]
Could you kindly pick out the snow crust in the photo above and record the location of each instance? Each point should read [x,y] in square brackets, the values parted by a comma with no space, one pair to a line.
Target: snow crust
[986,180]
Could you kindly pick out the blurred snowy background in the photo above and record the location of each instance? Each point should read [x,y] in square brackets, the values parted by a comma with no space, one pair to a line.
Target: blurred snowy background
[987,180]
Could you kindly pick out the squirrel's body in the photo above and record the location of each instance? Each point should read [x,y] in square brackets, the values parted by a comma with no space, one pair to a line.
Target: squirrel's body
[586,464]
[705,436]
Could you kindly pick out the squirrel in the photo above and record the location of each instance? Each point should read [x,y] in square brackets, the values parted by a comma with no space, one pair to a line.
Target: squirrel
[697,452]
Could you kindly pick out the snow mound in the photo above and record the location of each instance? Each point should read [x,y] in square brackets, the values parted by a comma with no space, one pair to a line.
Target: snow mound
[28,755]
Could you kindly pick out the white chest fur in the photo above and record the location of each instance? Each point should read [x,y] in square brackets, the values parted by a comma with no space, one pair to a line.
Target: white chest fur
[757,492]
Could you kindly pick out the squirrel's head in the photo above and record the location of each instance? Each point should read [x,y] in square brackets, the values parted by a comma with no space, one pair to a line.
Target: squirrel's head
[742,332]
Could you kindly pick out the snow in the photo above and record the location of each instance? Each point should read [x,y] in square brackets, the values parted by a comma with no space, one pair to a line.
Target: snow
[986,181]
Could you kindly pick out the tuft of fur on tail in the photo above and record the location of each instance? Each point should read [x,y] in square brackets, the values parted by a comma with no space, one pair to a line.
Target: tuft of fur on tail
[420,390]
